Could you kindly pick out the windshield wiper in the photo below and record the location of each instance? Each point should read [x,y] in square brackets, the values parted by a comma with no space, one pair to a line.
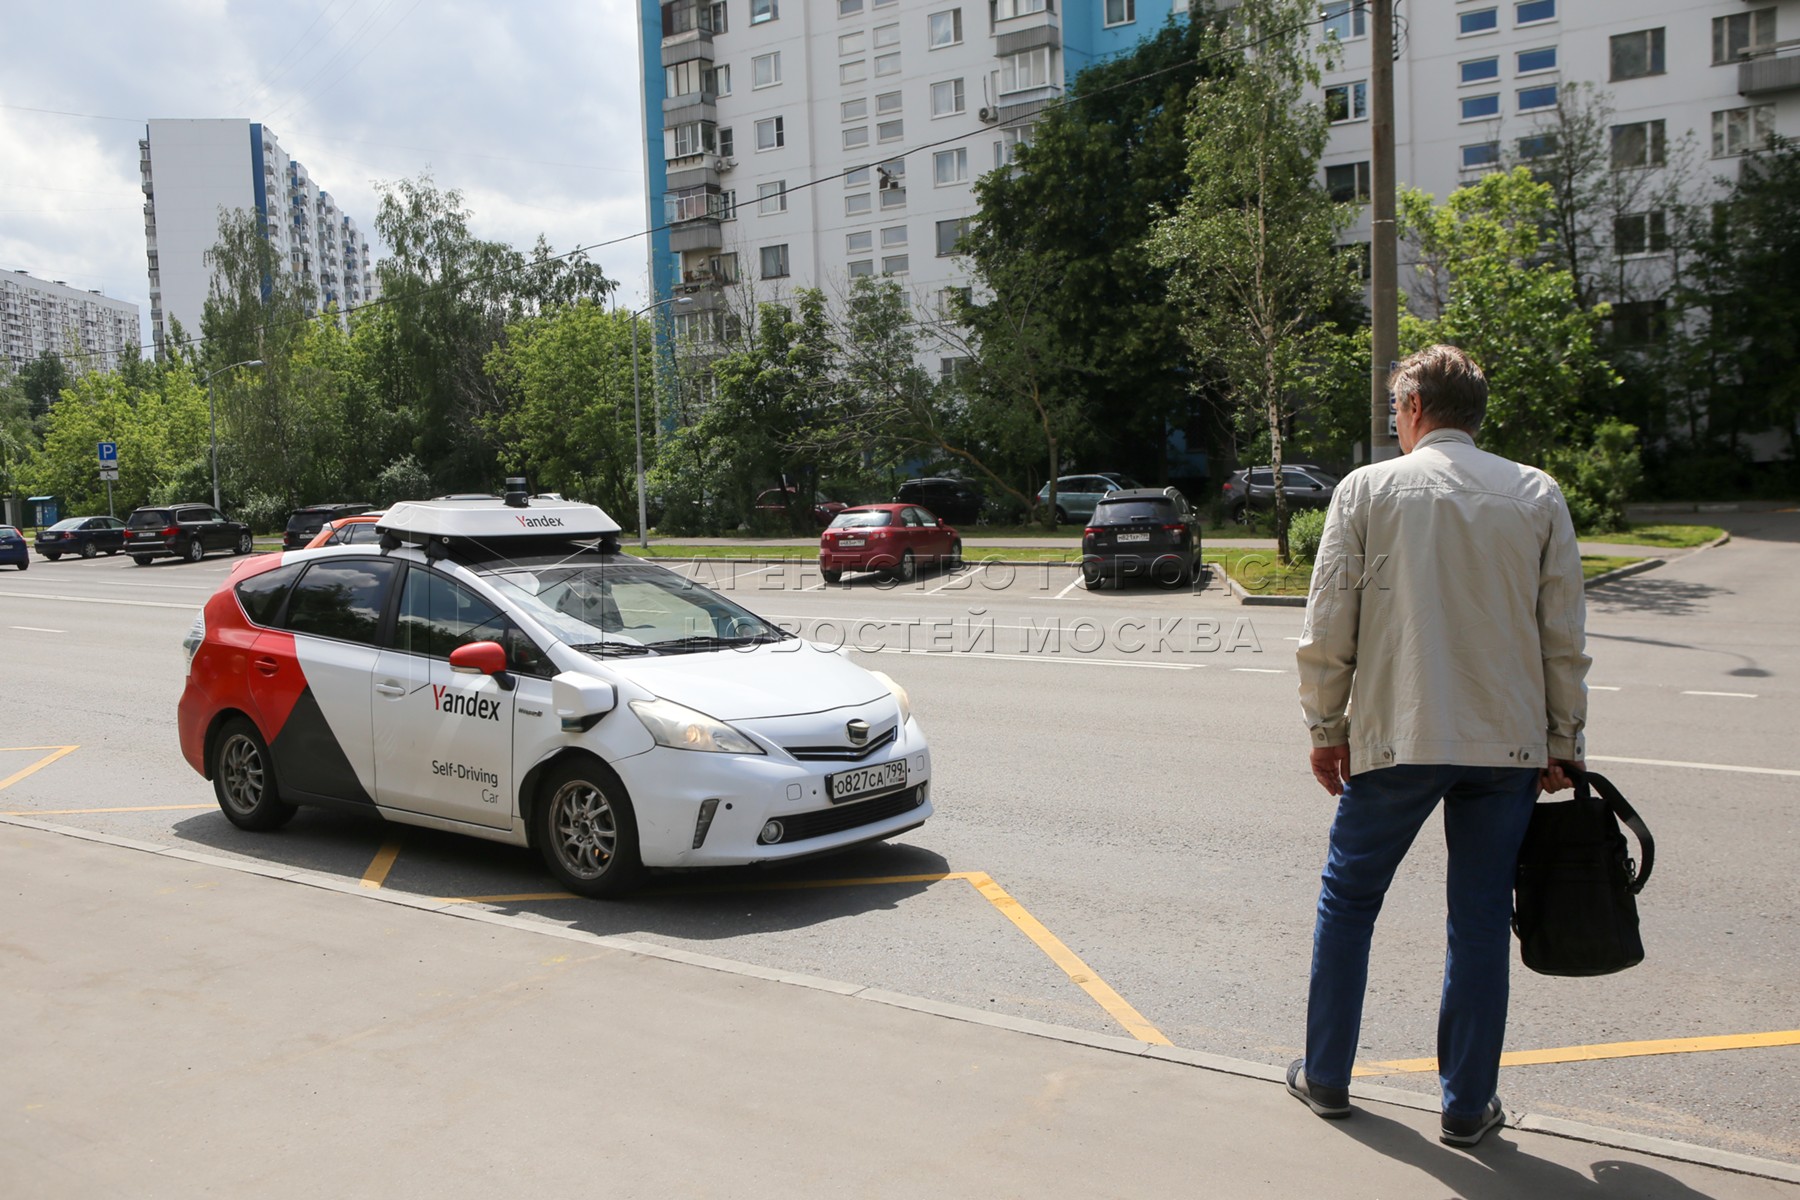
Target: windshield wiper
[713,642]
[602,649]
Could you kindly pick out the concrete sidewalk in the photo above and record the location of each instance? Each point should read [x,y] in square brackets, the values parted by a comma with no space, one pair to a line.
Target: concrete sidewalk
[173,1025]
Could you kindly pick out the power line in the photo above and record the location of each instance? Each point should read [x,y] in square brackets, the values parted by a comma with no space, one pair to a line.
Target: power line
[1223,52]
[282,65]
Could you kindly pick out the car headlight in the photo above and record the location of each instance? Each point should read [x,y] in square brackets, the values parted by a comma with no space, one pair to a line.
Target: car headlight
[887,681]
[681,728]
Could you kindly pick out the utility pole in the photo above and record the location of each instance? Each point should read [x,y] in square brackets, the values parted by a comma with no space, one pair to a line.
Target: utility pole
[1383,266]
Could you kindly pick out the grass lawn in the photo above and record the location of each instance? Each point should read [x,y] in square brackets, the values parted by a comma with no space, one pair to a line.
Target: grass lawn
[1260,573]
[1599,564]
[1662,537]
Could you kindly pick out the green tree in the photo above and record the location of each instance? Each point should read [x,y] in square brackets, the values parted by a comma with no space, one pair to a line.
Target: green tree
[159,425]
[18,434]
[1252,247]
[43,380]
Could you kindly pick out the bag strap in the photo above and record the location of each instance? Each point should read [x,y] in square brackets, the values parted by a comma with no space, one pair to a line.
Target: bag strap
[1627,815]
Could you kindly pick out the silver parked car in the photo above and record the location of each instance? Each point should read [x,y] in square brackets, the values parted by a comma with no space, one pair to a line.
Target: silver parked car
[1253,489]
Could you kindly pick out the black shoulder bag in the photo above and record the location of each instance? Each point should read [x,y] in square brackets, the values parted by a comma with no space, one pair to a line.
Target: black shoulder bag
[1575,907]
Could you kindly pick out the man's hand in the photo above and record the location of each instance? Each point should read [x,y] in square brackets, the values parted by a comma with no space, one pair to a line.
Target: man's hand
[1331,767]
[1554,779]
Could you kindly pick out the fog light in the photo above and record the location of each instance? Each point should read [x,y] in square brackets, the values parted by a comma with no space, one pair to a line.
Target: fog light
[771,833]
[707,808]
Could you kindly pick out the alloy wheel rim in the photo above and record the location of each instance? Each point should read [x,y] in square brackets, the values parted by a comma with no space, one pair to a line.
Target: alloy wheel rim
[241,773]
[584,828]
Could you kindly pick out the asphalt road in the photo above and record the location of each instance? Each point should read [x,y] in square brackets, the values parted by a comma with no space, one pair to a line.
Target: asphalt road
[1128,769]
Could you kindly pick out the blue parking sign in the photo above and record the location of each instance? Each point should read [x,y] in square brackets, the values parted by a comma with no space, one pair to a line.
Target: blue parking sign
[109,452]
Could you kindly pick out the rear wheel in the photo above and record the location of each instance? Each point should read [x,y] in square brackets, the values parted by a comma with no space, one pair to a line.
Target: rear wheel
[586,832]
[24,564]
[244,779]
[831,576]
[88,550]
[53,555]
[1091,577]
[244,544]
[142,560]
[194,551]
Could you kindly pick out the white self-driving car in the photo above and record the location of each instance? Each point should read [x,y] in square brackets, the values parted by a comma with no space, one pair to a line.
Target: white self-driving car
[496,667]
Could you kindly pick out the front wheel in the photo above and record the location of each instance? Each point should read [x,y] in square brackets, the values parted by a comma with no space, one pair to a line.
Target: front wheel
[244,779]
[1062,518]
[88,550]
[953,561]
[142,560]
[908,569]
[1240,514]
[195,551]
[245,545]
[586,831]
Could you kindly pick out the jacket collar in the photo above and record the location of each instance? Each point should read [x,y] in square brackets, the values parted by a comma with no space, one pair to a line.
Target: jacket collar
[1444,435]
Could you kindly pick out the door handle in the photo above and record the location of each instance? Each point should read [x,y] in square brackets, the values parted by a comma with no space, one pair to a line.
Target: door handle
[390,688]
[266,665]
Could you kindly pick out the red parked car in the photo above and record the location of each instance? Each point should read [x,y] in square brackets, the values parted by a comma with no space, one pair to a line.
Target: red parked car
[894,539]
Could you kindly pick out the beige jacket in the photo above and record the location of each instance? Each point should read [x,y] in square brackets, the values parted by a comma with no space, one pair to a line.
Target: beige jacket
[1445,620]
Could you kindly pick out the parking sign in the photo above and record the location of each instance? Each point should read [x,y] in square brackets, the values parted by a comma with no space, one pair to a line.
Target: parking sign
[109,454]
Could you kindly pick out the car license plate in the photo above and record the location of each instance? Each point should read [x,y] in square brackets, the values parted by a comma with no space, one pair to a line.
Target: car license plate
[1134,537]
[849,542]
[866,781]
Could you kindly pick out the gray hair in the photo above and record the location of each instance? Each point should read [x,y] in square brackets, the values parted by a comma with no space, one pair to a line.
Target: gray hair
[1451,389]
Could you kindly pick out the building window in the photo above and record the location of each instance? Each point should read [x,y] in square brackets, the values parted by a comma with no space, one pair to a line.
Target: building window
[856,177]
[945,27]
[760,11]
[728,205]
[886,36]
[1006,150]
[890,131]
[849,8]
[1484,20]
[1541,59]
[720,80]
[947,98]
[950,166]
[1347,102]
[883,3]
[1741,34]
[1007,9]
[765,70]
[950,233]
[1348,183]
[690,138]
[862,267]
[1637,54]
[1480,156]
[854,110]
[952,369]
[854,71]
[1641,233]
[727,142]
[1537,145]
[685,78]
[1480,70]
[1532,12]
[1019,72]
[856,137]
[774,261]
[1121,12]
[852,43]
[1639,322]
[893,235]
[770,134]
[893,198]
[1532,99]
[1358,253]
[894,264]
[887,64]
[887,102]
[1344,19]
[858,204]
[1742,130]
[860,242]
[1640,144]
[1475,108]
[771,198]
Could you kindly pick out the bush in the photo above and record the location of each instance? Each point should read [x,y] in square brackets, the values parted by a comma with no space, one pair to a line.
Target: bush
[263,512]
[1598,481]
[402,479]
[1304,531]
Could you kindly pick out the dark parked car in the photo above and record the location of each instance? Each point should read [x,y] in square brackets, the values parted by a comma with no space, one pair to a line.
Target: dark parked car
[772,503]
[304,523]
[952,499]
[1254,489]
[13,550]
[1144,533]
[86,536]
[187,531]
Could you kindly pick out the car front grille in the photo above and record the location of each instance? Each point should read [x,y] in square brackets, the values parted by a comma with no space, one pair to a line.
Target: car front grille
[842,753]
[802,826]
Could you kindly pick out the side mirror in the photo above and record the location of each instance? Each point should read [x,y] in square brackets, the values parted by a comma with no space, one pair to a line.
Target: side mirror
[1315,487]
[581,700]
[940,522]
[479,658]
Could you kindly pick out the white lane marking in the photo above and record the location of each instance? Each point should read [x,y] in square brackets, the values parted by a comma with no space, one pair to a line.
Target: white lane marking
[1073,584]
[1595,687]
[97,600]
[38,629]
[1043,658]
[1260,670]
[1696,766]
[1733,695]
[133,583]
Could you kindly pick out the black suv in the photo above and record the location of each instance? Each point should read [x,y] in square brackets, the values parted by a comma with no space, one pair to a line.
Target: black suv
[1254,489]
[304,523]
[1148,532]
[952,499]
[183,531]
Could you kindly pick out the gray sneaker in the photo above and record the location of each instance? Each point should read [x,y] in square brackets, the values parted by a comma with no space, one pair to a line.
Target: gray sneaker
[1328,1102]
[1467,1131]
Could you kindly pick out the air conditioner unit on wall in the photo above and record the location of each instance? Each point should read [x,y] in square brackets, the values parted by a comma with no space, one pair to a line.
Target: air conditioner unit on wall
[723,164]
[988,115]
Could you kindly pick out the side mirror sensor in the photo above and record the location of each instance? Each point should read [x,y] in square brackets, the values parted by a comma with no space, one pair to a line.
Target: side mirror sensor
[581,700]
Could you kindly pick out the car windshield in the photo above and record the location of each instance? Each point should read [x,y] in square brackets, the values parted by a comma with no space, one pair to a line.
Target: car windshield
[619,607]
[1125,512]
[861,520]
[71,523]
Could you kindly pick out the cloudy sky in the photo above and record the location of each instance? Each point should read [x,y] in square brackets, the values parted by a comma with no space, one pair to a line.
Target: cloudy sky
[529,107]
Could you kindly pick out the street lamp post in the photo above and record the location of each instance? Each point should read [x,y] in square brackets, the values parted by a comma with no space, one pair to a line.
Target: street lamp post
[637,418]
[212,419]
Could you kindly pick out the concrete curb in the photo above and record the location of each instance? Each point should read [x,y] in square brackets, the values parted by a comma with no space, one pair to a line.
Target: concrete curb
[1617,1139]
[1636,568]
[1251,598]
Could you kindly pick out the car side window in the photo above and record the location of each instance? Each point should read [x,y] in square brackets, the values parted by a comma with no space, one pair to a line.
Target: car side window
[262,595]
[437,615]
[342,600]
[363,533]
[1262,478]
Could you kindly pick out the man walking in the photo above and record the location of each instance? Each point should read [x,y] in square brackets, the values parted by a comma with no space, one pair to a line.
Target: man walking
[1441,660]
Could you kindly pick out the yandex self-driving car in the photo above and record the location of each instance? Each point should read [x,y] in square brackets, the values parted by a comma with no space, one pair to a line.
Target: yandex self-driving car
[496,667]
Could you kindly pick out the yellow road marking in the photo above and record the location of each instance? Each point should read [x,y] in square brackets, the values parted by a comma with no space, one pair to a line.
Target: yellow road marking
[1603,1050]
[39,765]
[378,870]
[75,812]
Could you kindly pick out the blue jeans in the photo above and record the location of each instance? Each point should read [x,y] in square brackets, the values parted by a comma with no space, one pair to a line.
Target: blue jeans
[1486,810]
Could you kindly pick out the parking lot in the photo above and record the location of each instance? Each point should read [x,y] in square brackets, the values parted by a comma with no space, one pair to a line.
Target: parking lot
[1127,838]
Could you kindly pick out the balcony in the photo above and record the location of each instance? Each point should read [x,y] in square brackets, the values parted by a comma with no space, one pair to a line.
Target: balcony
[1773,72]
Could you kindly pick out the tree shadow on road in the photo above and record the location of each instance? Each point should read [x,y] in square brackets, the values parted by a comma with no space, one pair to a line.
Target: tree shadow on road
[1651,596]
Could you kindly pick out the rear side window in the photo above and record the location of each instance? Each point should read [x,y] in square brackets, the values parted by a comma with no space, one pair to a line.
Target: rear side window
[193,516]
[306,522]
[1125,512]
[341,600]
[363,533]
[150,518]
[1262,478]
[261,595]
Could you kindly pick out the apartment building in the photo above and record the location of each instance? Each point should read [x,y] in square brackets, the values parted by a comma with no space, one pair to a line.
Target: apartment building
[805,143]
[39,315]
[193,168]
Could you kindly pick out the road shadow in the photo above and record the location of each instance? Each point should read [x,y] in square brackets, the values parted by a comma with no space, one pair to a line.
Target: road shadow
[1499,1169]
[1648,594]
